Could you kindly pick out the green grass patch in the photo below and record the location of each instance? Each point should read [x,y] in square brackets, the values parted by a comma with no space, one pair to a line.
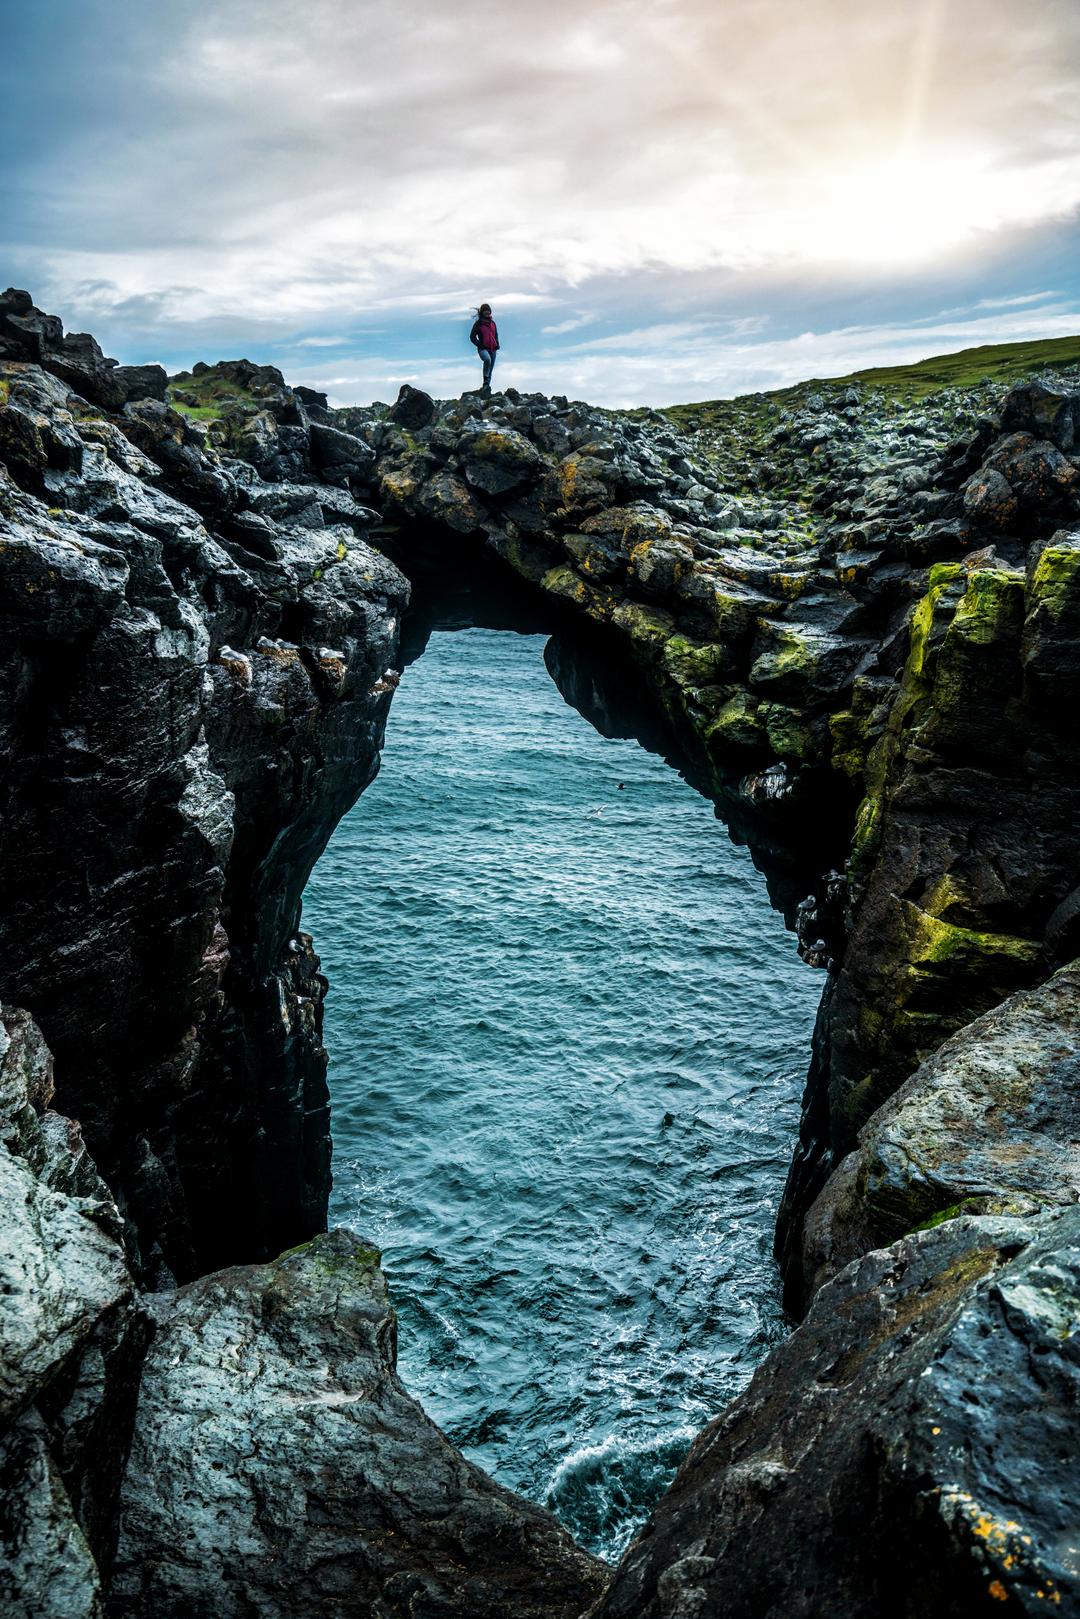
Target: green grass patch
[215,395]
[902,384]
[199,413]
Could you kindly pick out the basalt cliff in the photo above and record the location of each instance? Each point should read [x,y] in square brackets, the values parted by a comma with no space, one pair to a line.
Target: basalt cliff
[853,620]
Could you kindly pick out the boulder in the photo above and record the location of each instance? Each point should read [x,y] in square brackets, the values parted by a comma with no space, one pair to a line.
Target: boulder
[280,1468]
[258,440]
[989,1124]
[22,440]
[413,409]
[117,447]
[141,381]
[910,1450]
[497,459]
[657,566]
[1038,473]
[449,500]
[309,505]
[718,608]
[963,456]
[332,448]
[800,665]
[989,498]
[245,373]
[593,558]
[551,435]
[1033,408]
[29,334]
[627,527]
[178,446]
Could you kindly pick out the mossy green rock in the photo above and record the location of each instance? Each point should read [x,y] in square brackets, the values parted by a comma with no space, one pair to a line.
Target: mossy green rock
[592,599]
[725,610]
[942,931]
[735,724]
[802,667]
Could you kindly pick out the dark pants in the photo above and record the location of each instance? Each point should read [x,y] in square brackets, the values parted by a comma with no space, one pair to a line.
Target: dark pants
[489,364]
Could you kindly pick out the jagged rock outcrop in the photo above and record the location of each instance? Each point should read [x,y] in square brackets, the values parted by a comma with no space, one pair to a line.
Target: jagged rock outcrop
[72,1332]
[909,1450]
[279,1466]
[965,846]
[989,1125]
[186,712]
[28,334]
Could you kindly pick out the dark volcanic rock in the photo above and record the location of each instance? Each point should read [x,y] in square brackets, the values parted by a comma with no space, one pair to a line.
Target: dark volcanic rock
[909,1451]
[178,446]
[989,1125]
[141,381]
[182,731]
[965,846]
[71,1341]
[412,409]
[825,602]
[989,498]
[1040,411]
[28,334]
[279,1467]
[332,448]
[46,1566]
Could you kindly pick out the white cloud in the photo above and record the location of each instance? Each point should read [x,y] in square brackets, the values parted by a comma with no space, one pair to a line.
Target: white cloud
[1012,303]
[369,167]
[359,152]
[571,325]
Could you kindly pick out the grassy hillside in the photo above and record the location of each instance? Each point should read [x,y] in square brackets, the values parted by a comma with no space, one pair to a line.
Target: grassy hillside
[996,362]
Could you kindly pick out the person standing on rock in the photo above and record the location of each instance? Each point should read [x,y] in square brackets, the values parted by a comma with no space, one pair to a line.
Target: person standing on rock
[485,338]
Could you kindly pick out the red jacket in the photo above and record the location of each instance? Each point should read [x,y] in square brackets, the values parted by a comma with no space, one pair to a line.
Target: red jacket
[485,334]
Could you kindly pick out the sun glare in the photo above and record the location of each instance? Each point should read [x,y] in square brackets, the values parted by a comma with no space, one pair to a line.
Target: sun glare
[921,204]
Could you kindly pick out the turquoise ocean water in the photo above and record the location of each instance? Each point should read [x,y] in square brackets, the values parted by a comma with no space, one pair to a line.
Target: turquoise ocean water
[567,1039]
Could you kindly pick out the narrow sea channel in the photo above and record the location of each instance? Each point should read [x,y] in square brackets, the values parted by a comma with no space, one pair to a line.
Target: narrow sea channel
[567,1038]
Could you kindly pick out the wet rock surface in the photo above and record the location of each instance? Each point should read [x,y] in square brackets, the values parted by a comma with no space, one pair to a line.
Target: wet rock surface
[909,1450]
[279,1466]
[989,1124]
[187,711]
[840,613]
[72,1333]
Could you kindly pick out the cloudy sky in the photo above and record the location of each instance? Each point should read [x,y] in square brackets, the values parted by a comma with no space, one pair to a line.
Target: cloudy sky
[663,200]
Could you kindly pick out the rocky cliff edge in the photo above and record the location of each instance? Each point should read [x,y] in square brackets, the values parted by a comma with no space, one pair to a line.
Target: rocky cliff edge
[852,617]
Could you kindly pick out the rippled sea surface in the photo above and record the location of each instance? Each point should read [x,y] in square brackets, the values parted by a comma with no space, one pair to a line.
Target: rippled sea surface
[567,1040]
